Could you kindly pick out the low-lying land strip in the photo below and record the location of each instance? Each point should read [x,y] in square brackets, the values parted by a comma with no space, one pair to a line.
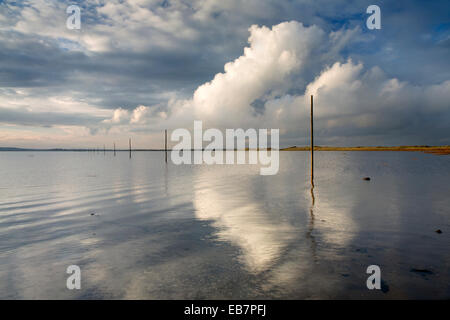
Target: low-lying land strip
[427,149]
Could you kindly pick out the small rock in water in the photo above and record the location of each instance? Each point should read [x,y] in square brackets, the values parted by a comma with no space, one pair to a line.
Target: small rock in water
[93,214]
[366,179]
[421,271]
[384,286]
[438,231]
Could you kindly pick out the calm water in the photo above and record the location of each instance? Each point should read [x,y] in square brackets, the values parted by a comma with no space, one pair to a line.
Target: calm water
[211,232]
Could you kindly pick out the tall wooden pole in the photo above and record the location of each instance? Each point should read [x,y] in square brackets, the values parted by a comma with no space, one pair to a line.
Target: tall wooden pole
[165,143]
[129,143]
[114,149]
[312,142]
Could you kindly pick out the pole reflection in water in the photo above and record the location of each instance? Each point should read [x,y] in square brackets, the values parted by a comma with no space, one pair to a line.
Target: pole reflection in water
[309,233]
[166,182]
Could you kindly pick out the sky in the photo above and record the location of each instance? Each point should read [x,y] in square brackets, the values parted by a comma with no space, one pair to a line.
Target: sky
[137,67]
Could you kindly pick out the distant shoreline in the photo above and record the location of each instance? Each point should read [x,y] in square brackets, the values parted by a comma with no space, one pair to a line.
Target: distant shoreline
[75,150]
[427,149]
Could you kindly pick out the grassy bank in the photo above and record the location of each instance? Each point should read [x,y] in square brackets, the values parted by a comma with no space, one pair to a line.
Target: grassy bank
[443,150]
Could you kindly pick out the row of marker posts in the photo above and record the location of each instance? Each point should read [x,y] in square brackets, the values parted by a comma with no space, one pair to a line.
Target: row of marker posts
[165,144]
[129,146]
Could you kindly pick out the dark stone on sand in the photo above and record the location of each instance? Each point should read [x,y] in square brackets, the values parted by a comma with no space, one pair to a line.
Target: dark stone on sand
[438,231]
[421,271]
[366,179]
[384,286]
[92,214]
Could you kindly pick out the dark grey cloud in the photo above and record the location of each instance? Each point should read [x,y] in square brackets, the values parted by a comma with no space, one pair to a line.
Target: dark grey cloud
[45,119]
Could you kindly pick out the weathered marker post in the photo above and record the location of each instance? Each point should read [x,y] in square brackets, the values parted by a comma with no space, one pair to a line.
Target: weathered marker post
[312,142]
[129,143]
[114,149]
[165,143]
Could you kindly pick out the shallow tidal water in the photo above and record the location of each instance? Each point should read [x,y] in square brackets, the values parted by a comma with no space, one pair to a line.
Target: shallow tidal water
[142,229]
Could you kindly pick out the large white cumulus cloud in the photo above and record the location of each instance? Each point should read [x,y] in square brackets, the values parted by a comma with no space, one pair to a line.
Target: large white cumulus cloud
[263,70]
[350,99]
